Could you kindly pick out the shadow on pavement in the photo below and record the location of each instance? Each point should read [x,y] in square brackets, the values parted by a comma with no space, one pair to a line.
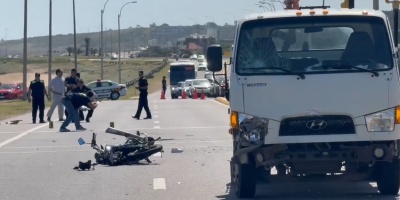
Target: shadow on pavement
[315,191]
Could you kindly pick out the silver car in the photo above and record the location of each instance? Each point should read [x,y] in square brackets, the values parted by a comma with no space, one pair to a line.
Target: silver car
[201,85]
[186,87]
[177,90]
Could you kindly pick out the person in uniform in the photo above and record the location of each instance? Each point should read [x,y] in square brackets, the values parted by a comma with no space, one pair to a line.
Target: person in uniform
[83,89]
[143,102]
[164,84]
[70,83]
[37,91]
[72,102]
[57,89]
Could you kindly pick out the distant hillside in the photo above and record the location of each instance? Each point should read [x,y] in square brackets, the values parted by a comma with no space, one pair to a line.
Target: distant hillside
[131,38]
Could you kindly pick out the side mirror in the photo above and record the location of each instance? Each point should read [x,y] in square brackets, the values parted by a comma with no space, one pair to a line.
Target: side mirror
[214,58]
[190,84]
[227,95]
[101,146]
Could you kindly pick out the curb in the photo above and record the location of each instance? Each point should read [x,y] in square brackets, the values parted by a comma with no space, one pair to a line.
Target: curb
[222,100]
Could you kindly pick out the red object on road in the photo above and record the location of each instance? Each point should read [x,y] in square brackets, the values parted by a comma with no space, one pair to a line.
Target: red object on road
[162,95]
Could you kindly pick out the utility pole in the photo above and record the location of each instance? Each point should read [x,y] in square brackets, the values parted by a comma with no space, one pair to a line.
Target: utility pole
[49,73]
[6,44]
[75,49]
[351,4]
[101,43]
[119,40]
[376,4]
[25,54]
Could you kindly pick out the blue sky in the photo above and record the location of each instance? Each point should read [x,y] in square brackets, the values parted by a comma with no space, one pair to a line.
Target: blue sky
[145,12]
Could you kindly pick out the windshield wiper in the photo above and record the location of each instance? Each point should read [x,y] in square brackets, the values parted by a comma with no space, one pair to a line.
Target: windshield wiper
[346,66]
[301,75]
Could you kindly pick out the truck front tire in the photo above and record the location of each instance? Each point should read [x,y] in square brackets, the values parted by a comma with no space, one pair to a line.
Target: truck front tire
[388,180]
[243,178]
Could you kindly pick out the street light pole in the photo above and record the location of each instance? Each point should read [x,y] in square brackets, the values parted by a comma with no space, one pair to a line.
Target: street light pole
[25,56]
[101,48]
[75,49]
[50,46]
[119,40]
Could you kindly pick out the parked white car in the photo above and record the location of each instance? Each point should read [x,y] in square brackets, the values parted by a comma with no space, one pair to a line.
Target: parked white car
[107,89]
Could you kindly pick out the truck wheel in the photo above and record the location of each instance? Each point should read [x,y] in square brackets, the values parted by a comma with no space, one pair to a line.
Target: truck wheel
[243,178]
[389,180]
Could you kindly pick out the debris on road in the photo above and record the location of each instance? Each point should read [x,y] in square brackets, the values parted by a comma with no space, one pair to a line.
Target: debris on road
[85,165]
[176,150]
[12,122]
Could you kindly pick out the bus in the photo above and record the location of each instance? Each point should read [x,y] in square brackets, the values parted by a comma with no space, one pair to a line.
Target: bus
[180,71]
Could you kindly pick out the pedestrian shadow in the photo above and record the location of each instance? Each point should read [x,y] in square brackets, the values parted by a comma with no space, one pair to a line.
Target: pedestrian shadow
[317,191]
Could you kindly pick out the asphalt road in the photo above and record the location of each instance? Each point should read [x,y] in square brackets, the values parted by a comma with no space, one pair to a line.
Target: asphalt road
[36,162]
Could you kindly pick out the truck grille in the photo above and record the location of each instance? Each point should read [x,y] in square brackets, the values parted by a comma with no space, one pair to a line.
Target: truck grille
[317,125]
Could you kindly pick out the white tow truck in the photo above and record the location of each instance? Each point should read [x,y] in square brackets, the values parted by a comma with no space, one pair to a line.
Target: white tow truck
[314,96]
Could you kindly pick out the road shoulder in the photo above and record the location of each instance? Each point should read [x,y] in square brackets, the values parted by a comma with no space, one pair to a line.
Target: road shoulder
[222,100]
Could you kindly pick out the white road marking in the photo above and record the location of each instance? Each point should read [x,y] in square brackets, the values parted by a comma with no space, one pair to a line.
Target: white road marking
[73,146]
[155,112]
[155,116]
[156,122]
[65,151]
[146,128]
[26,152]
[156,127]
[159,184]
[21,135]
[155,108]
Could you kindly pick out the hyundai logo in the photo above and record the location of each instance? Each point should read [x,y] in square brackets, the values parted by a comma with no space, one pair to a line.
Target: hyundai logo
[316,125]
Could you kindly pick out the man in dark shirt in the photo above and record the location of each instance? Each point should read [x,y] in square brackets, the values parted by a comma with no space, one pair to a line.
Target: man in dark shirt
[164,84]
[37,91]
[70,83]
[143,102]
[83,89]
[72,102]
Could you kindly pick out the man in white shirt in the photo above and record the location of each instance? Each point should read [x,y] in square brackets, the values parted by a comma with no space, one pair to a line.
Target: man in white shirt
[57,89]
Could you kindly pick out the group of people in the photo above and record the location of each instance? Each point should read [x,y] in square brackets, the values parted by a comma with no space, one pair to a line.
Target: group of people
[70,93]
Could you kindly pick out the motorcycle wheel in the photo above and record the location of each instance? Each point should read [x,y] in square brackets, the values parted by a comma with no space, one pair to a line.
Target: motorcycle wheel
[97,156]
[147,153]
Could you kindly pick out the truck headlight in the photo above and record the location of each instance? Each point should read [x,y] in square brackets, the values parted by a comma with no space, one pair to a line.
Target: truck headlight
[382,121]
[173,88]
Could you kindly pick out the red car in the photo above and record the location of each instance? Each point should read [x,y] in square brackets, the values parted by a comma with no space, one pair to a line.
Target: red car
[11,91]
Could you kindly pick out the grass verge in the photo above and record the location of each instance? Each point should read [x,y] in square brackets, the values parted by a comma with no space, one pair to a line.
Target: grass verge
[14,108]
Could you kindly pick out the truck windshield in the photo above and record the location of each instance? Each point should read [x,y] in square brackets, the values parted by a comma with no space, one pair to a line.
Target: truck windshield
[316,44]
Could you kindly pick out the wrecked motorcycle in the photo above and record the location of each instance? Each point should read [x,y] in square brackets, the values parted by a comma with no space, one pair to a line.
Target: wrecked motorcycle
[135,149]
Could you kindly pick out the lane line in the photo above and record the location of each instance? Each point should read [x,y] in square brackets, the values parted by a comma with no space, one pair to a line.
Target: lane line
[21,135]
[162,142]
[156,122]
[30,152]
[156,127]
[144,128]
[155,111]
[159,184]
[155,116]
[65,151]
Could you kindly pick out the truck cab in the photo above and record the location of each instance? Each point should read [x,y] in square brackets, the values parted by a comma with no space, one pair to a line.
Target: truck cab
[314,95]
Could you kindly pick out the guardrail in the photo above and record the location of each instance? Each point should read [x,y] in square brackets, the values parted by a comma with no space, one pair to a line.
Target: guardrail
[149,74]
